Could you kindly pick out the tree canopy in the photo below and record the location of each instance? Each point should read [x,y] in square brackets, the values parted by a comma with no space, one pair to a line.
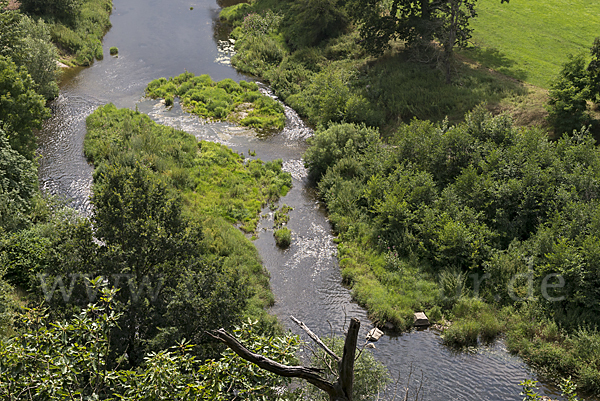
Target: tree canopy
[22,109]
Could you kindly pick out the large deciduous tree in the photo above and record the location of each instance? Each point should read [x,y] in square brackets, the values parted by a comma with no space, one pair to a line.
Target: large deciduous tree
[18,183]
[170,288]
[22,109]
[415,22]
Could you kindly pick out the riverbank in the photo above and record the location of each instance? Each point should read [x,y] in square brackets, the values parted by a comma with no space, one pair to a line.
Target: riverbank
[76,28]
[418,226]
[335,79]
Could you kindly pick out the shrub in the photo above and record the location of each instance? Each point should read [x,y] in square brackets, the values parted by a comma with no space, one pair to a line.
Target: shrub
[567,107]
[114,51]
[283,237]
[310,22]
[338,141]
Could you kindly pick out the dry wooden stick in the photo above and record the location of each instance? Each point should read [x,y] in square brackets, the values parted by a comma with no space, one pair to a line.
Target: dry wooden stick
[316,339]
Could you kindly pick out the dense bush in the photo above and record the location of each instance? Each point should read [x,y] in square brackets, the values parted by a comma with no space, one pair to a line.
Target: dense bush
[283,237]
[480,196]
[79,37]
[567,106]
[22,109]
[18,185]
[65,10]
[488,211]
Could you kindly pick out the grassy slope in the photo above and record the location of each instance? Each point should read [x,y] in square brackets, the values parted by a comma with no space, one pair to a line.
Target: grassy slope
[530,40]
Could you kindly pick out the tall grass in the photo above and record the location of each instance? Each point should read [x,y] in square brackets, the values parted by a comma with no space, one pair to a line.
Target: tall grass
[224,100]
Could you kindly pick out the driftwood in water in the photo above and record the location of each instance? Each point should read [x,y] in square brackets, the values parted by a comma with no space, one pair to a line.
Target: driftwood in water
[340,390]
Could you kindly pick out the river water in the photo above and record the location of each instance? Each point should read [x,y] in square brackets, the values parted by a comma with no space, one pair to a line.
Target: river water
[159,38]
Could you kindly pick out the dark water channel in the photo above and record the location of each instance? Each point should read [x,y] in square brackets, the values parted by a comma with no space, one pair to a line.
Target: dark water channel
[164,38]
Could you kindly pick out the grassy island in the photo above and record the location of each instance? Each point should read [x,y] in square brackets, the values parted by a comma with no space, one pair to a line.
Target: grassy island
[224,100]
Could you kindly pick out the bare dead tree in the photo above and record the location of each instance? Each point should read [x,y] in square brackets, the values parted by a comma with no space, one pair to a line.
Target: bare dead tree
[340,390]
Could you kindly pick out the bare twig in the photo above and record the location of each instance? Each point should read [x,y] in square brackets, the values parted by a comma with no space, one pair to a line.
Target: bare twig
[316,339]
[340,390]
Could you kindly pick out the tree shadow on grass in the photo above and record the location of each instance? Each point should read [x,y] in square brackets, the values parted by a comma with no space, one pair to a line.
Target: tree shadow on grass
[403,89]
[493,58]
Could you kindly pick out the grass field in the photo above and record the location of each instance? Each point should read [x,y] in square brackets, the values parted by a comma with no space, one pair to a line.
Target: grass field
[530,39]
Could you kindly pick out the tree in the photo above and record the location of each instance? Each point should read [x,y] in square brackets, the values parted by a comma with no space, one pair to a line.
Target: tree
[339,390]
[10,31]
[569,93]
[170,288]
[21,108]
[453,28]
[18,184]
[65,10]
[416,22]
[28,43]
[309,22]
[593,70]
[40,56]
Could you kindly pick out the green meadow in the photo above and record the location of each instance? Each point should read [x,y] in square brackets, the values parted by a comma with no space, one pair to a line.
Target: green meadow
[530,40]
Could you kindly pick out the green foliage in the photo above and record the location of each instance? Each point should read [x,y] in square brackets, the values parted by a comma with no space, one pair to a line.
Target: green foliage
[209,275]
[21,108]
[336,80]
[54,360]
[310,22]
[234,375]
[474,320]
[529,390]
[214,180]
[415,22]
[283,237]
[235,13]
[370,376]
[339,141]
[46,360]
[501,213]
[567,106]
[40,56]
[593,70]
[567,388]
[64,10]
[27,43]
[79,36]
[225,100]
[18,185]
[114,51]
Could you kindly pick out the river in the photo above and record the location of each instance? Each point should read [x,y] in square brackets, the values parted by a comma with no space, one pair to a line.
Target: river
[159,38]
